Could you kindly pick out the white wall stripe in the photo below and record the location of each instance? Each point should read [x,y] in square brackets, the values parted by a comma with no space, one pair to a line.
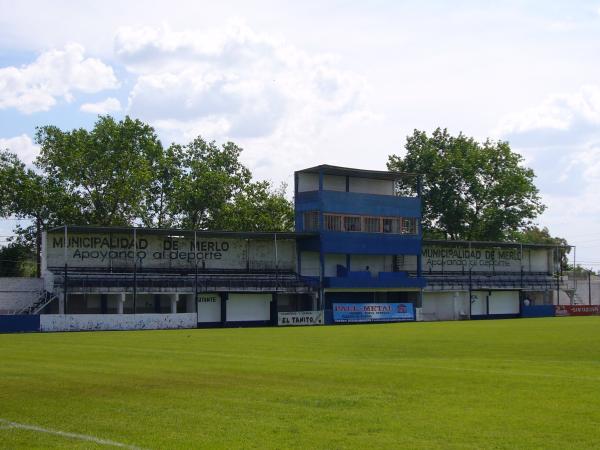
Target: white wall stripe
[4,424]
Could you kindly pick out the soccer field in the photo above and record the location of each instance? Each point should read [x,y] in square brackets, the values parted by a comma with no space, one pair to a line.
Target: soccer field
[525,383]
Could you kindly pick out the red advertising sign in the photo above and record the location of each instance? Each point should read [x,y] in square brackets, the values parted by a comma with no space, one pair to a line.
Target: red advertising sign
[576,310]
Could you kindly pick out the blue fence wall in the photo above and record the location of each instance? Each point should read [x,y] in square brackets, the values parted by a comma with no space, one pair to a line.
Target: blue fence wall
[19,324]
[537,311]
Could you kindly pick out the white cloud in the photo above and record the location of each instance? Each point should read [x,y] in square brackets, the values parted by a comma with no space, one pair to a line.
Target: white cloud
[111,104]
[561,138]
[233,83]
[55,73]
[558,112]
[22,146]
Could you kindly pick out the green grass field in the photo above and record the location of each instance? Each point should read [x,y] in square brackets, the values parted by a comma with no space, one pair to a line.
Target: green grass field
[526,383]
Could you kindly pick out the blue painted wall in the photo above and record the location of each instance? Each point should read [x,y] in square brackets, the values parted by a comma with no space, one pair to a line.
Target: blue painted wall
[370,243]
[19,323]
[357,203]
[537,311]
[352,243]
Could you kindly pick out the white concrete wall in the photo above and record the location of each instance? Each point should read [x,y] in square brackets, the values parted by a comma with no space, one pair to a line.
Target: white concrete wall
[262,254]
[459,257]
[445,305]
[99,322]
[209,308]
[332,260]
[479,303]
[539,260]
[248,307]
[407,263]
[376,263]
[309,264]
[334,183]
[308,182]
[17,293]
[582,290]
[370,186]
[500,302]
[504,302]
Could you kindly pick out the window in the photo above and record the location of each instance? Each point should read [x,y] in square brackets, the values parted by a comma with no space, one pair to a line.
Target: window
[372,225]
[392,225]
[352,223]
[311,221]
[366,224]
[333,222]
[409,225]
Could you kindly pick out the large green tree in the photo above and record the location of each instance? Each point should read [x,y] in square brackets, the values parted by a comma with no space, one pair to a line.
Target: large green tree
[210,178]
[110,169]
[470,190]
[119,173]
[258,207]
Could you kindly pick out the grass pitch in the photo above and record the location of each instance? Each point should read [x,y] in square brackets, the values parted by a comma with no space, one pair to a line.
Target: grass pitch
[526,383]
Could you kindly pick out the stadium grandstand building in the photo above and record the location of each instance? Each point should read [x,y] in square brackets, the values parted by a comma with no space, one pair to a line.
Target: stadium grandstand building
[357,255]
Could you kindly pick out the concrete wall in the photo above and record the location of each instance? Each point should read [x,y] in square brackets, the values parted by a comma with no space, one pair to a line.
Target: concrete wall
[499,302]
[332,260]
[334,183]
[445,305]
[17,293]
[99,322]
[582,290]
[309,264]
[370,186]
[460,257]
[106,250]
[376,263]
[248,307]
[308,182]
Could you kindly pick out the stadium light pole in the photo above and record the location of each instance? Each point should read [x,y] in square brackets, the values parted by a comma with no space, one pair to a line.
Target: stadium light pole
[66,276]
[134,270]
[196,271]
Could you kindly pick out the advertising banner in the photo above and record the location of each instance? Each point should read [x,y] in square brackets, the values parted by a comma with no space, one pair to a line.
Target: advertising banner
[576,310]
[373,312]
[295,318]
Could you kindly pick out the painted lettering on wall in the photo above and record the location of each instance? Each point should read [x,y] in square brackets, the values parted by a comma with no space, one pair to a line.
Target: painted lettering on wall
[453,258]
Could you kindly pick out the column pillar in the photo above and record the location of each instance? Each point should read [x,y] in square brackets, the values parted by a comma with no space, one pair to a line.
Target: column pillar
[224,296]
[61,303]
[120,303]
[456,306]
[190,305]
[174,300]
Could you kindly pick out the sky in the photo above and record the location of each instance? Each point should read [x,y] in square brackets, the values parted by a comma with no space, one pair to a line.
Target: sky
[298,84]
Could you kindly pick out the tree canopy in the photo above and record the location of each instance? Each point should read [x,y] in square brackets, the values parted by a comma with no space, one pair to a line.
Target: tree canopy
[119,173]
[470,190]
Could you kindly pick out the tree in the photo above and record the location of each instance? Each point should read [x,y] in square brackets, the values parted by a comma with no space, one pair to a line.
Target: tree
[110,170]
[258,207]
[470,190]
[119,173]
[17,260]
[210,178]
[29,195]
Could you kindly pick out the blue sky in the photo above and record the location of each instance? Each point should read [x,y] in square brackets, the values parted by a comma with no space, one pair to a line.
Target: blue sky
[338,82]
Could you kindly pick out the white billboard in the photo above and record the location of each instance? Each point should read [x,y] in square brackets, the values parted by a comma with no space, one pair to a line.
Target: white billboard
[295,318]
